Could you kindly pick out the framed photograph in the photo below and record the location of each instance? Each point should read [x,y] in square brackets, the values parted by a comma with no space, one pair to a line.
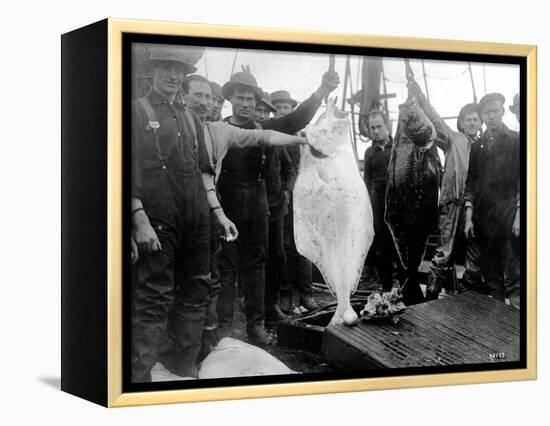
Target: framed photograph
[256,212]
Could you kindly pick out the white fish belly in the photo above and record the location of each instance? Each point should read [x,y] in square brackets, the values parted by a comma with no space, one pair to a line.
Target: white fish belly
[333,223]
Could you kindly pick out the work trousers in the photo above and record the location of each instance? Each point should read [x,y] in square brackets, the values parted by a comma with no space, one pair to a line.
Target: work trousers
[246,205]
[297,274]
[501,267]
[276,261]
[211,337]
[170,289]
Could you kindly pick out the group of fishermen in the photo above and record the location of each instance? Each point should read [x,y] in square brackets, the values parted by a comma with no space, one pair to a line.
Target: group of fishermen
[212,217]
[198,183]
[479,200]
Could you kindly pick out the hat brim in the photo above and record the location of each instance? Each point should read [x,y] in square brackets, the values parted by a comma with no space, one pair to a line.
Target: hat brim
[149,64]
[267,104]
[228,88]
[290,101]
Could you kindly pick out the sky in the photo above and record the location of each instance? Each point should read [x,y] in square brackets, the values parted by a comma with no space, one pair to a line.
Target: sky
[449,83]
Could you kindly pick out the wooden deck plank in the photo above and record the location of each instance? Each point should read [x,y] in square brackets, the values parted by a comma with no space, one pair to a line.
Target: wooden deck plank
[461,329]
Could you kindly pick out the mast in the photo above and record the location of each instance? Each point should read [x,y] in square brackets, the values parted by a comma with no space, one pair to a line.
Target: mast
[472,80]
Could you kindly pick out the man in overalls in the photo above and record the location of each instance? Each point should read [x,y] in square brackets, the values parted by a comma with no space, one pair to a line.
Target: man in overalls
[243,194]
[170,218]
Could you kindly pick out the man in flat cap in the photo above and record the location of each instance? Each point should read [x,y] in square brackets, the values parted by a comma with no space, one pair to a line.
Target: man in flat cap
[457,147]
[170,218]
[244,196]
[492,201]
[217,103]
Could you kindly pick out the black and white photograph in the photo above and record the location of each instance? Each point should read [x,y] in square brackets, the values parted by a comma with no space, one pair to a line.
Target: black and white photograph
[303,215]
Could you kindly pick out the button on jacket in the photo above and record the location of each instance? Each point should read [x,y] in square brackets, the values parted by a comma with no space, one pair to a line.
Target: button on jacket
[160,163]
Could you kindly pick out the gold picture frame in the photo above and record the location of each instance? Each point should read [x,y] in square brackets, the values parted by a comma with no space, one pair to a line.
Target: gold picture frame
[112,394]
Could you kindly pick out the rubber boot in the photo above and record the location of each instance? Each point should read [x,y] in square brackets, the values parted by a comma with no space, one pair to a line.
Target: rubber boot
[273,313]
[434,286]
[210,335]
[285,302]
[224,306]
[308,302]
[253,286]
[188,331]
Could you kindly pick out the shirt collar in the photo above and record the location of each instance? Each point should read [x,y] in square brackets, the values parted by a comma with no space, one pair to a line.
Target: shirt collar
[499,132]
[156,99]
[250,123]
[385,146]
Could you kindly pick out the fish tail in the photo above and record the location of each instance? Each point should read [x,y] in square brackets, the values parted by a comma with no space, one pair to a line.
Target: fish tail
[411,290]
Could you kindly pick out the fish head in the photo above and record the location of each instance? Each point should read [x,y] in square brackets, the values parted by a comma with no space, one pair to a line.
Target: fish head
[329,131]
[415,124]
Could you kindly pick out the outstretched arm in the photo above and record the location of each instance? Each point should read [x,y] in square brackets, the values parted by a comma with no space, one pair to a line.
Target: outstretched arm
[444,132]
[302,115]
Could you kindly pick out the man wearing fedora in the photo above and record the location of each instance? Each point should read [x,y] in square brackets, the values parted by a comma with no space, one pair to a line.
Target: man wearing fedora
[217,103]
[244,195]
[297,272]
[264,108]
[170,218]
[514,108]
[492,201]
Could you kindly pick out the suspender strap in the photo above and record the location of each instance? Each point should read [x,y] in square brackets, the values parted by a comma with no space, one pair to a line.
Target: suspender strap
[153,122]
[190,123]
[263,154]
[151,116]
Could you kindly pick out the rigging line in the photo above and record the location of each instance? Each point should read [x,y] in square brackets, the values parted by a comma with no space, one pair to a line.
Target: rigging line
[350,82]
[358,73]
[386,108]
[472,80]
[425,81]
[205,65]
[390,80]
[484,81]
[449,78]
[347,76]
[234,62]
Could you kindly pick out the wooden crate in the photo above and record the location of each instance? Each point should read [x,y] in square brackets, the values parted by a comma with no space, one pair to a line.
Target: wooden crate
[467,328]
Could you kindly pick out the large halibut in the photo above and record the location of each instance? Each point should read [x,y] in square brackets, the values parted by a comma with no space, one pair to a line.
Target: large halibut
[412,192]
[333,223]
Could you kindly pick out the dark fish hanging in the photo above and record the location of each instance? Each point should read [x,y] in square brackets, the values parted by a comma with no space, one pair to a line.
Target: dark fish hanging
[412,192]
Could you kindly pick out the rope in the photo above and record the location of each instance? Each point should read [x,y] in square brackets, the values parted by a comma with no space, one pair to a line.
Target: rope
[391,80]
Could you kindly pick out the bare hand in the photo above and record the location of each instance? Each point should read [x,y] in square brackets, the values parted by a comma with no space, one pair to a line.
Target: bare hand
[469,230]
[230,230]
[330,81]
[515,226]
[135,252]
[287,196]
[146,238]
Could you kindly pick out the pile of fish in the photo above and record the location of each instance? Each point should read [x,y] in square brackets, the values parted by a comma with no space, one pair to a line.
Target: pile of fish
[412,192]
[234,358]
[333,222]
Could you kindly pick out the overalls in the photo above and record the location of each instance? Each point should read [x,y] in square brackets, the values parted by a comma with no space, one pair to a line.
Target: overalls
[170,294]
